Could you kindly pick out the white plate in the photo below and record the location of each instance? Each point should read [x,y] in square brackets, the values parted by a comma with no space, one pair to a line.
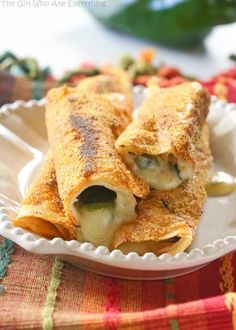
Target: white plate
[23,144]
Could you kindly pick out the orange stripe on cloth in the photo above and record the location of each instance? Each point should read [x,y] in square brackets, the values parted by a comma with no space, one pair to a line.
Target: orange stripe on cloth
[69,296]
[94,293]
[80,300]
[25,290]
[130,300]
[227,274]
[130,296]
[230,302]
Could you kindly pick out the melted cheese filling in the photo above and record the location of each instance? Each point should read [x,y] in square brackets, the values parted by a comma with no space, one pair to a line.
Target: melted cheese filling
[96,224]
[159,172]
[220,184]
[100,219]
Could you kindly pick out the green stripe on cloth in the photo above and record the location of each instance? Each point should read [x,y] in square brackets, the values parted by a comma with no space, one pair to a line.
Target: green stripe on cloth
[174,324]
[52,294]
[170,299]
[37,89]
[6,249]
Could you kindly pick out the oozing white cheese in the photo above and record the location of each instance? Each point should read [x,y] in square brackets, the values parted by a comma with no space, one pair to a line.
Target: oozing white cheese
[185,170]
[98,225]
[158,172]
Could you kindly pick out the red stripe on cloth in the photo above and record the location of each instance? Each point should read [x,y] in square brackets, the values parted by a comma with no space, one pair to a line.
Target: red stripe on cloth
[209,278]
[152,295]
[111,316]
[218,317]
[192,315]
[187,287]
[142,296]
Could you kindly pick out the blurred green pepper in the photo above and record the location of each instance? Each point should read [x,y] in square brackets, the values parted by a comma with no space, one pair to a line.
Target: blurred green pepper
[27,67]
[177,23]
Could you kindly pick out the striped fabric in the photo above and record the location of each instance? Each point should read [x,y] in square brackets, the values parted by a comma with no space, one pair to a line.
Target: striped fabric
[20,88]
[42,292]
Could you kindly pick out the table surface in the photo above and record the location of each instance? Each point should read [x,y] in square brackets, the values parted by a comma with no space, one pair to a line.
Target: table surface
[64,37]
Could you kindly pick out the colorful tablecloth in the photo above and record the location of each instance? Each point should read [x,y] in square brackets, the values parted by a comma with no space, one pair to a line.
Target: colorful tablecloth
[43,292]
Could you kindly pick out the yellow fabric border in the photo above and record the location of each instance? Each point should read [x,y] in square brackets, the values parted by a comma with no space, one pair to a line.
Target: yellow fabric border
[230,302]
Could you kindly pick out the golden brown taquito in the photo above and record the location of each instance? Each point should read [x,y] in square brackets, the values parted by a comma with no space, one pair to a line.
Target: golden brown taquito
[112,80]
[97,190]
[167,220]
[42,211]
[160,144]
[115,84]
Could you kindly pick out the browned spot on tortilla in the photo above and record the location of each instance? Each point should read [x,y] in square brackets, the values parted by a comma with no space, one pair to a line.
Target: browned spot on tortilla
[88,148]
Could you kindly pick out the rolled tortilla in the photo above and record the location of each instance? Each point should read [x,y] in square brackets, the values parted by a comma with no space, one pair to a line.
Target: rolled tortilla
[115,84]
[167,220]
[112,80]
[97,191]
[42,211]
[159,145]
